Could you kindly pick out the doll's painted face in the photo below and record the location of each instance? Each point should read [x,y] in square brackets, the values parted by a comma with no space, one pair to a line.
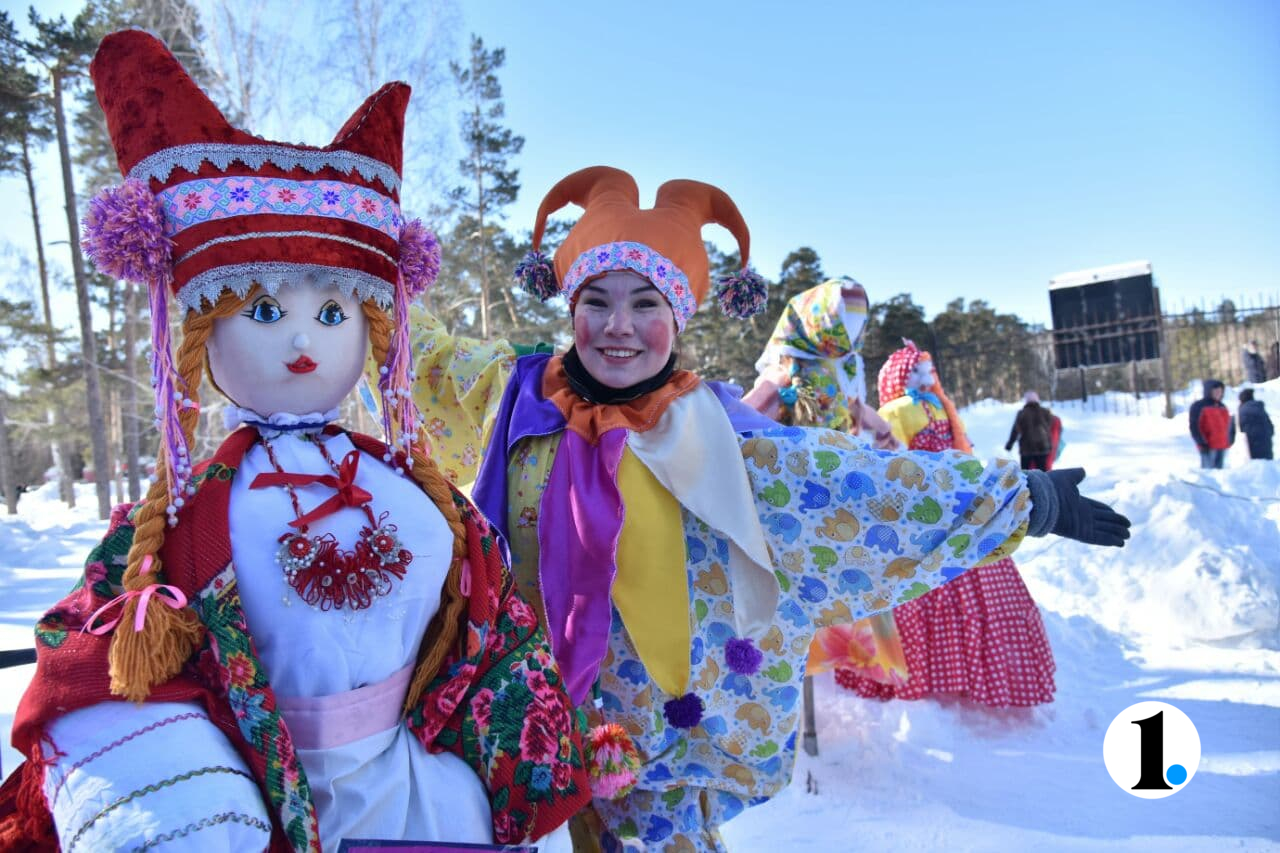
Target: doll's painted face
[298,352]
[921,375]
[623,329]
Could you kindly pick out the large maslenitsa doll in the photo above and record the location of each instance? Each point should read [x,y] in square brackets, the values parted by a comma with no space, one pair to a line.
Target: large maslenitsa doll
[310,636]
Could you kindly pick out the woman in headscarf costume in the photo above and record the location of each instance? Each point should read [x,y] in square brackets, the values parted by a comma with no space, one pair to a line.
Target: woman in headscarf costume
[680,548]
[811,373]
[980,637]
[310,636]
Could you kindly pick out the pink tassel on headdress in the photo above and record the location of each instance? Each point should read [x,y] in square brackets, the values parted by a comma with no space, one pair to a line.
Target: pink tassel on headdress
[124,236]
[419,266]
[401,421]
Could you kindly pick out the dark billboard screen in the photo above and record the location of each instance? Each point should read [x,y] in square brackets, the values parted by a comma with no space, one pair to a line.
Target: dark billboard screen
[1105,322]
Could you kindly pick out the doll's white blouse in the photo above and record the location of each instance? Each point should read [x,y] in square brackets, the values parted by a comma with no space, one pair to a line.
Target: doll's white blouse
[385,785]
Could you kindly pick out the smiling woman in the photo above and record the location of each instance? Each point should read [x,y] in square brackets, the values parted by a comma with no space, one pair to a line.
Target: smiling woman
[679,547]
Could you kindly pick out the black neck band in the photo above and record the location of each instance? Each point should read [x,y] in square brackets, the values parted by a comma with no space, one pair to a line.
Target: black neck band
[590,389]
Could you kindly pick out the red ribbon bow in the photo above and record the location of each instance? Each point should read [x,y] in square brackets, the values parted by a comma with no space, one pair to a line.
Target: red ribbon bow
[348,493]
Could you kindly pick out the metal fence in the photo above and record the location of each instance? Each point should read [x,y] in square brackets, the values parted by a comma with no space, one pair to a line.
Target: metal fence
[1196,343]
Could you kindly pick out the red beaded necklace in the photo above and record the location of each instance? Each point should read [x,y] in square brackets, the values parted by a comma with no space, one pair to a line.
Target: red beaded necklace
[324,575]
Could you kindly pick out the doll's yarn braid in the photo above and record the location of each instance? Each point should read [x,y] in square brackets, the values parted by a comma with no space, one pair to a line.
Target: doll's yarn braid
[446,625]
[139,660]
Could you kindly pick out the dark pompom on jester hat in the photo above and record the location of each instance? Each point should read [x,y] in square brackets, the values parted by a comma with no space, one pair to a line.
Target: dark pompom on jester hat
[662,243]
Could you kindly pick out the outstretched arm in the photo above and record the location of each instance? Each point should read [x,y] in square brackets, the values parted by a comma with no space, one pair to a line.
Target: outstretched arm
[459,382]
[855,531]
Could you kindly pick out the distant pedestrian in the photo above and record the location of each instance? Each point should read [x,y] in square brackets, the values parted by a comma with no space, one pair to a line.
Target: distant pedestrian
[1033,431]
[1256,425]
[1255,366]
[1212,427]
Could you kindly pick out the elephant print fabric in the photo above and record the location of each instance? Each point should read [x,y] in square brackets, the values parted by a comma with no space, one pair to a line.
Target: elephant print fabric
[875,541]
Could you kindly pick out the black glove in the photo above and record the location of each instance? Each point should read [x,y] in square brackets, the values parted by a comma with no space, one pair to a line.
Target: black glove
[1082,518]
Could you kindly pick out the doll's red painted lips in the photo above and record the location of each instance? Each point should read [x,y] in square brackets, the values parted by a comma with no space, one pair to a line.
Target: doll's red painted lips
[301,365]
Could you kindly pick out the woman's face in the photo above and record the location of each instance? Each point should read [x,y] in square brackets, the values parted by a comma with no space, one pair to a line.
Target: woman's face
[299,351]
[623,329]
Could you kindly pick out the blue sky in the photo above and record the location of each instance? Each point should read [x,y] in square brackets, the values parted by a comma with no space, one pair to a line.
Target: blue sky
[942,149]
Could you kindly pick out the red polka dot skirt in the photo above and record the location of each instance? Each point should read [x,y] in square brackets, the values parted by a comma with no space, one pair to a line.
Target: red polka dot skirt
[979,636]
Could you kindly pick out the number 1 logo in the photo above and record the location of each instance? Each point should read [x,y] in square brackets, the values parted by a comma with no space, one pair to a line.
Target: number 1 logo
[1151,750]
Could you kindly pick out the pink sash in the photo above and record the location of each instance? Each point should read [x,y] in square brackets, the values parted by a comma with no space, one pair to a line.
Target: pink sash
[325,722]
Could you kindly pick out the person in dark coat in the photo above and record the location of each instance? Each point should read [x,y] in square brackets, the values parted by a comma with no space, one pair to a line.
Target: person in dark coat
[1256,425]
[1033,431]
[1212,427]
[1255,366]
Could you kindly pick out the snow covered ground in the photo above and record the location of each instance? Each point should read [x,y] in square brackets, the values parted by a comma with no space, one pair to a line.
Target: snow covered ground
[1189,613]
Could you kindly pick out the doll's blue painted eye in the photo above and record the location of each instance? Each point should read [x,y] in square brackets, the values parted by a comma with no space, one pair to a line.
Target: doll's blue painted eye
[265,311]
[331,314]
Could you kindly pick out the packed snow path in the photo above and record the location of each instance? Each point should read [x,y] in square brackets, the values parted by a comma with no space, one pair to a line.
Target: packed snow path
[1189,613]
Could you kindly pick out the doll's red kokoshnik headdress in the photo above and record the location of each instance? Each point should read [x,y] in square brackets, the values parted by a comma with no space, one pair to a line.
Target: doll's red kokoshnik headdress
[206,207]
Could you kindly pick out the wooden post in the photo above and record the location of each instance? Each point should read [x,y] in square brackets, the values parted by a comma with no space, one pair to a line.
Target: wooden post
[809,729]
[1166,380]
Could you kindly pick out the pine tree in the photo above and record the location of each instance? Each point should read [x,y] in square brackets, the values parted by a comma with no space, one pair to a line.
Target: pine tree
[888,323]
[492,186]
[18,330]
[64,49]
[25,127]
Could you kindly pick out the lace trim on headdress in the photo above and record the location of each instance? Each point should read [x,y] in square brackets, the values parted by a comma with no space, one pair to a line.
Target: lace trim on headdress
[281,423]
[259,235]
[221,154]
[240,278]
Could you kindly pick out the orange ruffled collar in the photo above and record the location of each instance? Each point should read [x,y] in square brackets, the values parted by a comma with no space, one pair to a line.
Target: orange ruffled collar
[592,420]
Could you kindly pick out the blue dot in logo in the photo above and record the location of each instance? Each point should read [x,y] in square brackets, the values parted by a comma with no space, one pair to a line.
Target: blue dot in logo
[1176,774]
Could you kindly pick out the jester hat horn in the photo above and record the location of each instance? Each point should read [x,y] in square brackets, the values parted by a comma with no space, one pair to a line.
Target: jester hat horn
[662,243]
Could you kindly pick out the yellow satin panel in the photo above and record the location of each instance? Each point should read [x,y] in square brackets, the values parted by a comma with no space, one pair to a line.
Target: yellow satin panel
[651,590]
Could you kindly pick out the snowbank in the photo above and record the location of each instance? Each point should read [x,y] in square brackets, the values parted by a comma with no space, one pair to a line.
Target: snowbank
[1188,613]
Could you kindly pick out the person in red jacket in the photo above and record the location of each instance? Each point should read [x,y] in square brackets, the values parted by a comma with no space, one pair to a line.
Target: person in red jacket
[1212,427]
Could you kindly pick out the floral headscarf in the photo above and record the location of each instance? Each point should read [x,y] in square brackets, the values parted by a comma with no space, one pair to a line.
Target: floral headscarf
[819,339]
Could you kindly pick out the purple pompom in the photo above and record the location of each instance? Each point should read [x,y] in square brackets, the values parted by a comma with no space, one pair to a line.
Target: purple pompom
[742,656]
[685,712]
[743,294]
[537,276]
[124,234]
[419,257]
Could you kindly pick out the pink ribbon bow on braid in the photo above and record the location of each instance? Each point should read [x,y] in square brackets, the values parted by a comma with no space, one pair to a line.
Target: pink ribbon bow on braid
[176,599]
